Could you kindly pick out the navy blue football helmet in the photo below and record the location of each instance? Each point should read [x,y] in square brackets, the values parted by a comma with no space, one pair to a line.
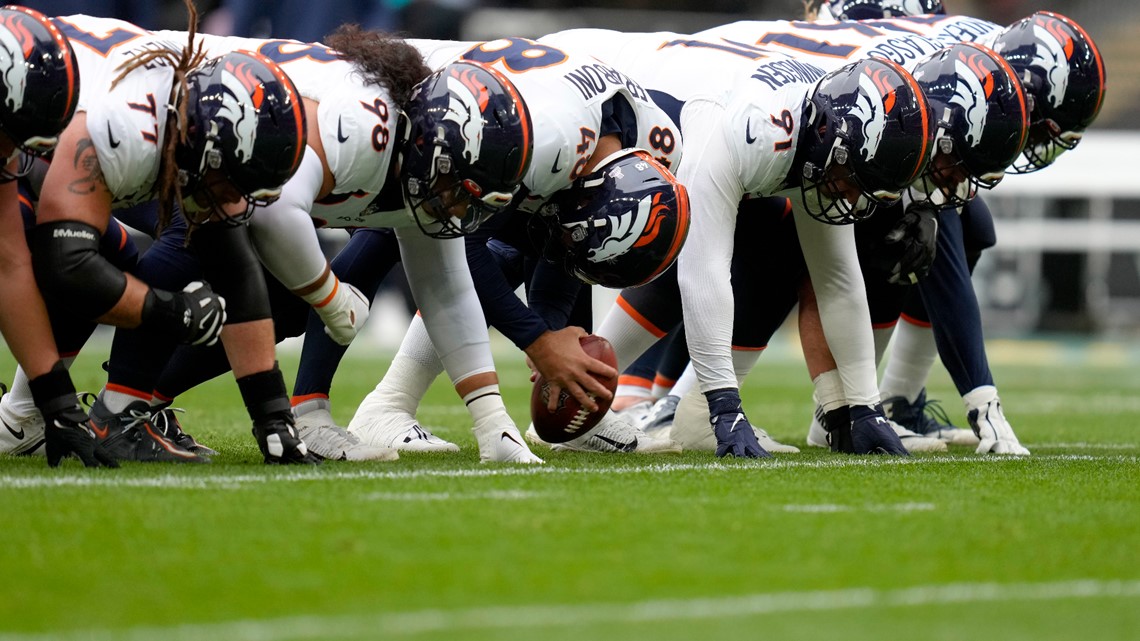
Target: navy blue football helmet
[467,142]
[621,225]
[244,118]
[1063,73]
[877,9]
[866,123]
[981,116]
[40,81]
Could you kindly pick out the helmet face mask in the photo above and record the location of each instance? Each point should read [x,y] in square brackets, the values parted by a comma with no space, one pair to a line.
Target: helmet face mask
[621,225]
[39,82]
[245,122]
[878,9]
[867,137]
[1063,72]
[466,145]
[981,125]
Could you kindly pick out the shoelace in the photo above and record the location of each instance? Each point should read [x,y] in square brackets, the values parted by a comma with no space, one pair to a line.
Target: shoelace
[166,421]
[933,409]
[138,417]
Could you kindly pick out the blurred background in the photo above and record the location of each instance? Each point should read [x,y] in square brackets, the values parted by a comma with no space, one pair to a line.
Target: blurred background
[1068,254]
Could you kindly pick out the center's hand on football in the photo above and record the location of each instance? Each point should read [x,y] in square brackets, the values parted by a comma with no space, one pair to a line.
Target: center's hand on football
[559,357]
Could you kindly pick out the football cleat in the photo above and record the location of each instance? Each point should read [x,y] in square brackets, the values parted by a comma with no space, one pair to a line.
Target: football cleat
[637,413]
[927,418]
[328,440]
[660,418]
[500,442]
[394,428]
[22,433]
[614,434]
[131,436]
[914,442]
[995,434]
[691,430]
[166,420]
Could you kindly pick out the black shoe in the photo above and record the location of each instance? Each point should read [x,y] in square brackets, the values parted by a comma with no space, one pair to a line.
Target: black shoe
[130,435]
[922,416]
[166,420]
[280,445]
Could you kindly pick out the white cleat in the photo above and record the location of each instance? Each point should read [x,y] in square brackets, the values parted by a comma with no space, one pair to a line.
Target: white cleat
[615,434]
[915,442]
[660,418]
[817,435]
[22,433]
[994,431]
[637,413]
[315,426]
[500,442]
[693,430]
[395,428]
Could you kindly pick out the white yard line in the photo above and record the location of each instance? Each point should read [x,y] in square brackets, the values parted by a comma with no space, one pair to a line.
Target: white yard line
[1082,446]
[376,626]
[207,480]
[831,508]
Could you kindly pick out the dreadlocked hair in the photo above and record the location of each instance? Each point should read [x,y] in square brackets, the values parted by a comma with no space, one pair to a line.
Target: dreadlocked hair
[183,62]
[382,59]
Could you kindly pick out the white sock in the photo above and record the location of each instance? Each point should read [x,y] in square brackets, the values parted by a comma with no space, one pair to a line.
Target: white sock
[116,401]
[686,382]
[635,387]
[912,357]
[484,403]
[19,400]
[629,337]
[829,390]
[882,338]
[743,360]
[661,386]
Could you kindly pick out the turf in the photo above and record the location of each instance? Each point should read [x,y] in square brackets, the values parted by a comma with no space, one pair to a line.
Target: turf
[807,546]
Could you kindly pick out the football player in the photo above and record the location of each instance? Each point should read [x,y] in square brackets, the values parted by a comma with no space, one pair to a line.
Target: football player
[216,138]
[609,215]
[37,100]
[763,123]
[454,159]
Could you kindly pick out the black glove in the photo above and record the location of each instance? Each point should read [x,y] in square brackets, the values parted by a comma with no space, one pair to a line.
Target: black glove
[910,246]
[872,434]
[196,314]
[837,422]
[734,434]
[66,432]
[279,444]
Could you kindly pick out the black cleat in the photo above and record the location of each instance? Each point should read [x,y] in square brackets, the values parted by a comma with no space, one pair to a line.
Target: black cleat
[131,436]
[166,420]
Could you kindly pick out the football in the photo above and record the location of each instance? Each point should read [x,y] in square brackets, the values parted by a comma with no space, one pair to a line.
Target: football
[569,419]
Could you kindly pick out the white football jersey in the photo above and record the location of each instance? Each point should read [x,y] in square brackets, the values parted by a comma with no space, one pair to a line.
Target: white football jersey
[126,123]
[565,89]
[356,122]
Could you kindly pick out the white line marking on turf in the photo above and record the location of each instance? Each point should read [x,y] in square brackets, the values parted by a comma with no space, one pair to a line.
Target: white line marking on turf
[205,480]
[566,615]
[1083,446]
[831,508]
[494,495]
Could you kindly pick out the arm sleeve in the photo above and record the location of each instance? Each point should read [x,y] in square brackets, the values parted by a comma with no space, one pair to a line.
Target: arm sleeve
[833,264]
[704,266]
[553,294]
[283,233]
[441,285]
[501,306]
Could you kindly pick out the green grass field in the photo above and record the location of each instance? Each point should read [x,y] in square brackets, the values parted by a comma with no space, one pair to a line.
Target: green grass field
[807,546]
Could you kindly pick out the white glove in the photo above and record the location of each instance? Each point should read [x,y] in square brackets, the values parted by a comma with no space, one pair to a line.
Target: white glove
[344,314]
[994,432]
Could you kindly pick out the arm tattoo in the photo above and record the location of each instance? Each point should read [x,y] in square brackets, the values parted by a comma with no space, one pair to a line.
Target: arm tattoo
[87,162]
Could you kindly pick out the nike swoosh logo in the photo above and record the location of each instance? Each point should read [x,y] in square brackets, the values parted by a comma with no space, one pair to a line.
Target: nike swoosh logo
[99,433]
[19,435]
[554,169]
[621,447]
[111,137]
[510,438]
[340,137]
[748,137]
[739,417]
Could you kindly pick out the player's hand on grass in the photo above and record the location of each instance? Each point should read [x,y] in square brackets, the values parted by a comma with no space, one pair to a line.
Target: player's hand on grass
[994,431]
[734,434]
[871,433]
[66,432]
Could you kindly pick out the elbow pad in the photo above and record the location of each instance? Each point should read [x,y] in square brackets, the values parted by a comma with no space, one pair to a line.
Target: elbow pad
[70,271]
[230,265]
